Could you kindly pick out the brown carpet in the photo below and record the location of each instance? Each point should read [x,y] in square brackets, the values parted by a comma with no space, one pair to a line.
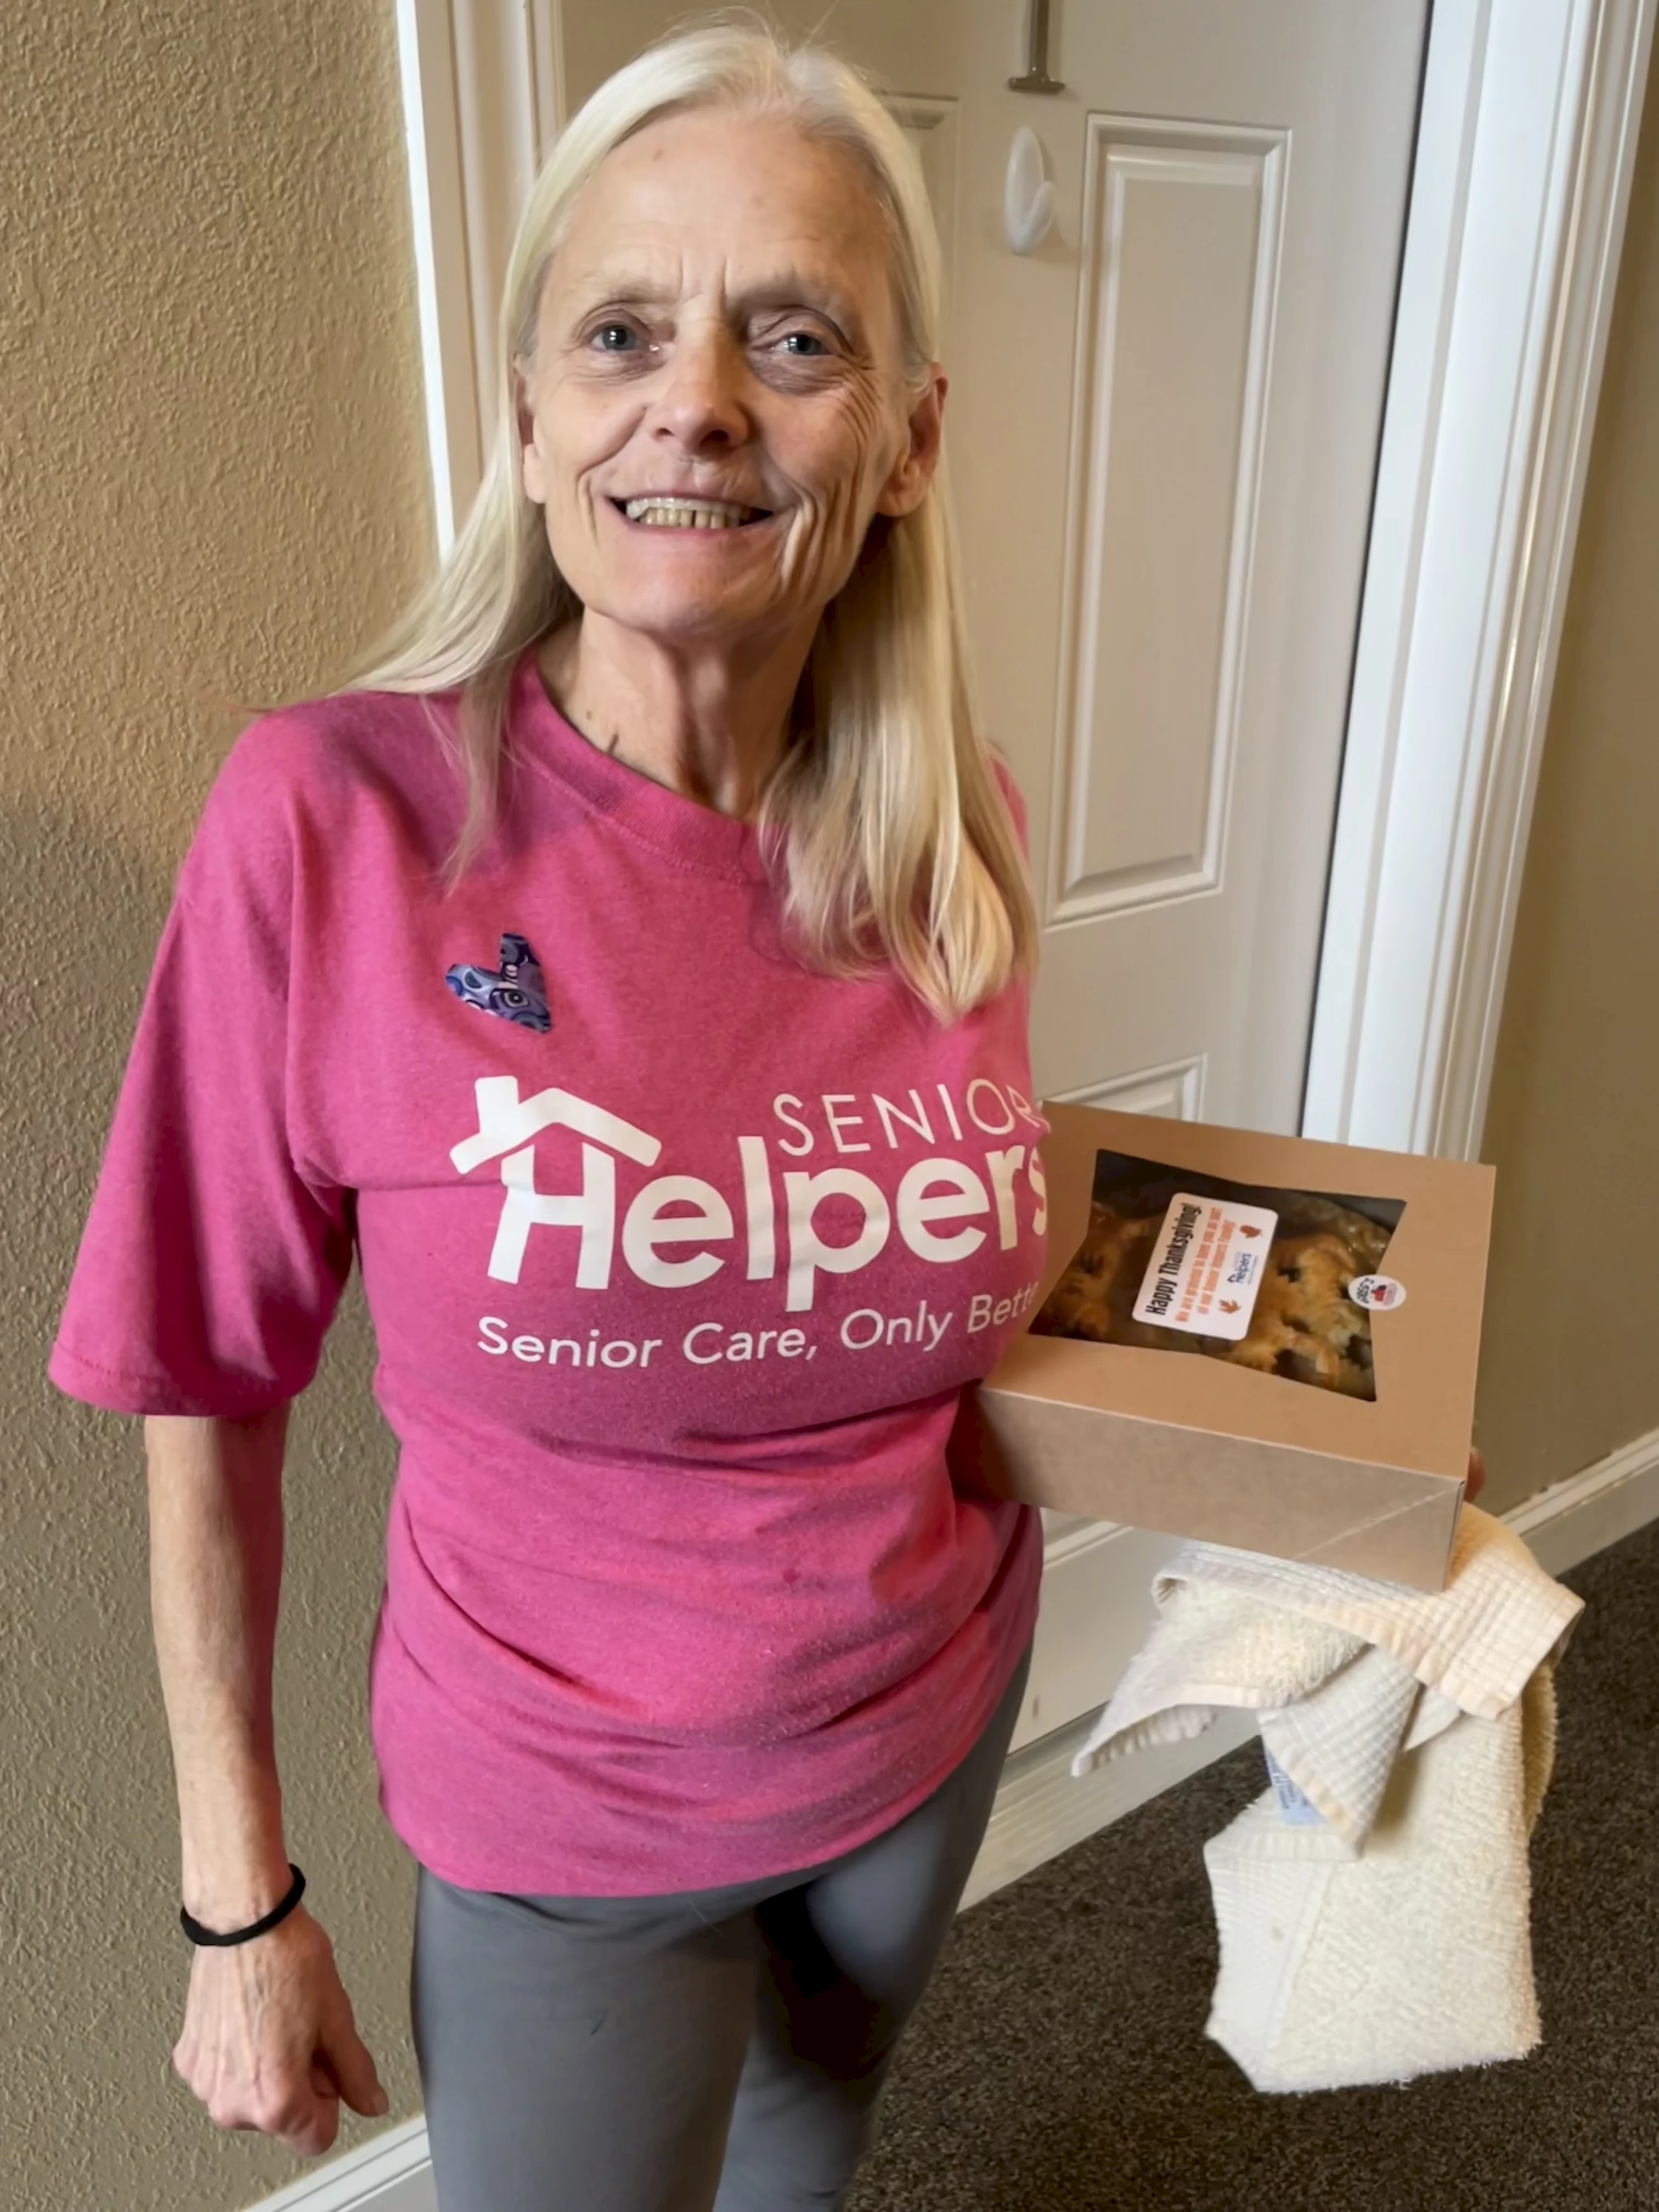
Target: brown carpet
[1059,2061]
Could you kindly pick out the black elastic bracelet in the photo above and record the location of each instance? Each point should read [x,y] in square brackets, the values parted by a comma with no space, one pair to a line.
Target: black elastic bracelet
[198,1933]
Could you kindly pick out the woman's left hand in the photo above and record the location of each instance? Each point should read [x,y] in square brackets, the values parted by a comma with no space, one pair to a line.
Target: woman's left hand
[1477,1476]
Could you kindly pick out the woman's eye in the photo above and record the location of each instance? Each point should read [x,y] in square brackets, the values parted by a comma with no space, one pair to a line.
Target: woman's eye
[804,345]
[612,337]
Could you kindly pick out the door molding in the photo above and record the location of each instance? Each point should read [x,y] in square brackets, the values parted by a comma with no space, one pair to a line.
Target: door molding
[483,94]
[1520,186]
[1526,142]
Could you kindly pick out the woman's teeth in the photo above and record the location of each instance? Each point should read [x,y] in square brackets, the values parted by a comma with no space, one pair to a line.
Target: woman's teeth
[688,513]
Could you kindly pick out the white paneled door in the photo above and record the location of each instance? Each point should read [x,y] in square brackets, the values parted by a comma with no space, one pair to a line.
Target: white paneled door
[1162,431]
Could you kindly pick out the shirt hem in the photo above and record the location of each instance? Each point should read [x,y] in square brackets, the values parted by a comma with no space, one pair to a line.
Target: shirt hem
[121,1390]
[520,1881]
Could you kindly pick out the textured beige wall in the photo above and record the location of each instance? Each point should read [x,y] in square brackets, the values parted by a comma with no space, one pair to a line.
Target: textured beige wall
[212,482]
[1570,1366]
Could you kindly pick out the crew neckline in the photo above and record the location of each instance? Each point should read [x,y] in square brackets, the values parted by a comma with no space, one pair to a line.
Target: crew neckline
[691,835]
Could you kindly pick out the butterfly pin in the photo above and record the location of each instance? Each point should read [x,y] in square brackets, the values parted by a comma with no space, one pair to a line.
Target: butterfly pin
[517,991]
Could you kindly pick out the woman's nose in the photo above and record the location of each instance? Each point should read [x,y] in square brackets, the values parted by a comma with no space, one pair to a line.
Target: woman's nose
[700,404]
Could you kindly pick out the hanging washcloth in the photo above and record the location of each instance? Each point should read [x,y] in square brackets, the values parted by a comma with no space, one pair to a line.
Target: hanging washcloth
[1373,1907]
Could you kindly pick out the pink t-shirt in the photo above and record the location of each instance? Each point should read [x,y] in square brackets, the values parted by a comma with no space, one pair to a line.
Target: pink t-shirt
[678,1255]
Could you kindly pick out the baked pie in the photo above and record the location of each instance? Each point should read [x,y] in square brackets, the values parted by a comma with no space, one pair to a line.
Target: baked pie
[1304,1326]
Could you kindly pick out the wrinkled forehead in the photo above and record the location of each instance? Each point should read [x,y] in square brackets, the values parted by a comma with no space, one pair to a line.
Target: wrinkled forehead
[731,209]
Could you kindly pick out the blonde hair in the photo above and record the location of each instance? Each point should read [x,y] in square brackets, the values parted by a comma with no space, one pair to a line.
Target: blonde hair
[883,822]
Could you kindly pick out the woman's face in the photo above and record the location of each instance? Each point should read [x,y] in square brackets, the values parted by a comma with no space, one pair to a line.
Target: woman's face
[717,408]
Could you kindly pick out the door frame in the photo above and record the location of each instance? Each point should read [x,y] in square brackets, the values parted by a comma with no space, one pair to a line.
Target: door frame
[1520,185]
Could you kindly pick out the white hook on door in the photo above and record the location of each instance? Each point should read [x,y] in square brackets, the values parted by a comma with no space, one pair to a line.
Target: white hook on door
[1028,202]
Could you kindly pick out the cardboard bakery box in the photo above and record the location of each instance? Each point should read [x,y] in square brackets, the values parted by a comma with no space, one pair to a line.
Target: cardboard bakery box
[1265,1342]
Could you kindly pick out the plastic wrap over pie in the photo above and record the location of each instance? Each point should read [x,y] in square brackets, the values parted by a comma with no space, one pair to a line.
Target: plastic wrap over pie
[1303,1327]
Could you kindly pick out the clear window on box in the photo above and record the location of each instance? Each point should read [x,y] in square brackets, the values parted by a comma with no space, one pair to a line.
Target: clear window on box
[1281,1281]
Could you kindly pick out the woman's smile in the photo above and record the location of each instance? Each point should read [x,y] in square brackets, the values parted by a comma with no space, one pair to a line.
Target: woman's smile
[683,512]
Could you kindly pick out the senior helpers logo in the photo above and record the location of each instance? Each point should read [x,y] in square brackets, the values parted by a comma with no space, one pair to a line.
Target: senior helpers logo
[676,1231]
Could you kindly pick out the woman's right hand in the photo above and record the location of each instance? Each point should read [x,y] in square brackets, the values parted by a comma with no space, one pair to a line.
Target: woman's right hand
[269,2041]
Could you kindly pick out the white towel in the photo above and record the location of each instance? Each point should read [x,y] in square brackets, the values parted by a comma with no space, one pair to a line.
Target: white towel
[1387,1933]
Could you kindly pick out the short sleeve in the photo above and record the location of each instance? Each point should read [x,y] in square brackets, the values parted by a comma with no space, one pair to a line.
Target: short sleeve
[211,1265]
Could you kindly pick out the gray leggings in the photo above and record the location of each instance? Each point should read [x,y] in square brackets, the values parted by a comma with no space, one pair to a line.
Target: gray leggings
[713,2051]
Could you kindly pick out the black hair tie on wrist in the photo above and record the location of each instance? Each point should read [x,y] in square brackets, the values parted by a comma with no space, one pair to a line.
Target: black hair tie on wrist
[198,1933]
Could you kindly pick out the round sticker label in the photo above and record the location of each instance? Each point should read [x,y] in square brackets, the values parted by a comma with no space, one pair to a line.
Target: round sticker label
[1376,1293]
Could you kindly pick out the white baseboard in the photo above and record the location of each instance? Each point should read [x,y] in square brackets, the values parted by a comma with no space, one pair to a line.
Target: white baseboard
[1040,1811]
[390,2173]
[1571,1521]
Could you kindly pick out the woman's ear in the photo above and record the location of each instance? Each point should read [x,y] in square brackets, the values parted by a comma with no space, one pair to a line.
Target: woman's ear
[911,474]
[524,418]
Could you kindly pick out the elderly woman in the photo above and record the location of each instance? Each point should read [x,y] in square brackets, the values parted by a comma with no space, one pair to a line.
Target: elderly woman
[631,968]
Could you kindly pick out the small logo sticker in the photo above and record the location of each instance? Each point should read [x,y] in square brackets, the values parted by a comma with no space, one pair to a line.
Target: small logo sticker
[517,992]
[1377,1293]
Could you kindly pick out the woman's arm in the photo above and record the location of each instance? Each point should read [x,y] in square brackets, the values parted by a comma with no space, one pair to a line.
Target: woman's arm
[269,2041]
[215,1568]
[971,1457]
